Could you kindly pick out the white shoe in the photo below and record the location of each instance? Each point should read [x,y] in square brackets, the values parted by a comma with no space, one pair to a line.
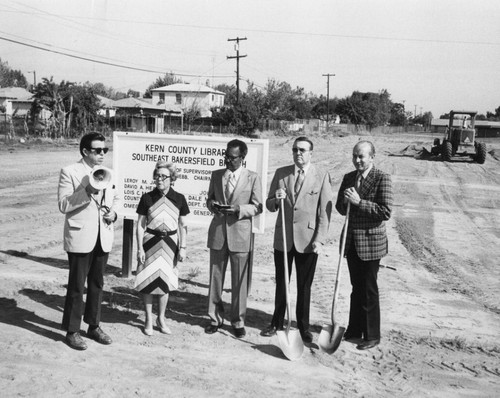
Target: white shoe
[164,330]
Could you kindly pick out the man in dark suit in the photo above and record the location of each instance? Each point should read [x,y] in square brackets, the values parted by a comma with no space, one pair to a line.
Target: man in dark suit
[369,191]
[234,196]
[307,194]
[88,237]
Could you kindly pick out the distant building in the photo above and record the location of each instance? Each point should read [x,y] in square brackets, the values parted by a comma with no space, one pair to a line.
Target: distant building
[143,116]
[15,100]
[189,97]
[107,106]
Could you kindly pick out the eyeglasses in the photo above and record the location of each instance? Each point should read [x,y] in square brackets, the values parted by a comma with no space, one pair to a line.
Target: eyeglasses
[301,150]
[162,177]
[100,150]
[231,157]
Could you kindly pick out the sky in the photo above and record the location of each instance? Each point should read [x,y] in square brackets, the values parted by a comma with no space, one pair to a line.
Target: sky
[430,55]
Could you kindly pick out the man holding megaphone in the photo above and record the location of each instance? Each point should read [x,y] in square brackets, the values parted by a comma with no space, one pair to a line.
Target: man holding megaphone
[87,197]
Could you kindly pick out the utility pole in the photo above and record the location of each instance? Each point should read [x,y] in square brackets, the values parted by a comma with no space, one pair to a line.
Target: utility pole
[34,76]
[238,56]
[328,97]
[415,112]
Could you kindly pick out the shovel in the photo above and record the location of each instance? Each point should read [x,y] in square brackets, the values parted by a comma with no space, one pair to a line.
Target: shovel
[330,337]
[290,341]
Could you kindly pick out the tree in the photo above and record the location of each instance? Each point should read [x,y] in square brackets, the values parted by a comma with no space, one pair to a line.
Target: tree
[10,77]
[105,91]
[133,93]
[166,80]
[424,119]
[230,91]
[69,106]
[398,115]
[371,109]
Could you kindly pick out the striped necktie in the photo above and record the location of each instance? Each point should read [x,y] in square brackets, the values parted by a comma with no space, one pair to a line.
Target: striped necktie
[231,184]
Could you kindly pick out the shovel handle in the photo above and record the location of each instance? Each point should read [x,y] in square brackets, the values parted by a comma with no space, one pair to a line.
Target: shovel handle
[285,255]
[341,256]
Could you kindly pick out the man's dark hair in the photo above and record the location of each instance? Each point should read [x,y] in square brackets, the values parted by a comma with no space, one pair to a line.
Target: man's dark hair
[306,140]
[86,141]
[240,145]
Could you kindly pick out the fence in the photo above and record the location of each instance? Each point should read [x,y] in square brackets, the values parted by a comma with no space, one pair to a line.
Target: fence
[20,127]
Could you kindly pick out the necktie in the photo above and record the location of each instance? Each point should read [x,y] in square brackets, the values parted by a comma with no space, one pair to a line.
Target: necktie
[359,181]
[299,181]
[231,183]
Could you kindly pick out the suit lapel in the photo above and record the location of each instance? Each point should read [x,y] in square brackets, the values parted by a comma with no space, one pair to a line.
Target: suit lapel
[290,182]
[368,183]
[309,179]
[221,185]
[240,183]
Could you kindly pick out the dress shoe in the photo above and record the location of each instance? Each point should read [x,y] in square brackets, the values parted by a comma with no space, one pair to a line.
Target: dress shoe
[75,341]
[148,331]
[307,336]
[269,331]
[240,332]
[98,335]
[164,330]
[367,344]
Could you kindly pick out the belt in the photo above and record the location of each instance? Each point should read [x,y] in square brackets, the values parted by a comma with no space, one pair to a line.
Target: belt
[161,233]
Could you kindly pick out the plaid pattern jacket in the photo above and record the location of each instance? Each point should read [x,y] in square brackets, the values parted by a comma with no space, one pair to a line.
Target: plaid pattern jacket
[366,228]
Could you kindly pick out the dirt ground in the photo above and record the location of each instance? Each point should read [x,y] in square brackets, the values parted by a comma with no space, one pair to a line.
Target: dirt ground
[440,307]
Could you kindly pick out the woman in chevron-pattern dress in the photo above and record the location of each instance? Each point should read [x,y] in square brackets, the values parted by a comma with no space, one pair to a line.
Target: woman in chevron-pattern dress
[161,241]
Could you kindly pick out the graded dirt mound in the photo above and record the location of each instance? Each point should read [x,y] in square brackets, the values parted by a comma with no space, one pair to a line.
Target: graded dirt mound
[415,150]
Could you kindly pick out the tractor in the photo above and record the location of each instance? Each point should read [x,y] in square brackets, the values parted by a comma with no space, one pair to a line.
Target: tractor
[460,140]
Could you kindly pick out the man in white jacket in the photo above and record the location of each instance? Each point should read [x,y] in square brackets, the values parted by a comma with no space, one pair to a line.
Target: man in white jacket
[88,237]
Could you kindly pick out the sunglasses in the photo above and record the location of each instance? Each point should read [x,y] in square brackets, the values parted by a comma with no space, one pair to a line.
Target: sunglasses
[301,150]
[100,150]
[162,177]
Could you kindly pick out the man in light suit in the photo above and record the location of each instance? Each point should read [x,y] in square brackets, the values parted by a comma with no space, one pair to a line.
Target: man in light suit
[88,236]
[307,194]
[369,191]
[234,196]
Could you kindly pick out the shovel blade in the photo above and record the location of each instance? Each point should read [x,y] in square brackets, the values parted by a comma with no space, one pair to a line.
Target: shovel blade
[330,338]
[290,343]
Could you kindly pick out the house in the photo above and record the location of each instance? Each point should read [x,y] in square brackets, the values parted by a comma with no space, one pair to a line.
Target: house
[190,97]
[107,107]
[141,115]
[16,100]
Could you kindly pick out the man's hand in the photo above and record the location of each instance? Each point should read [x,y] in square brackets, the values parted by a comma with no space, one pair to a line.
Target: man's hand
[91,190]
[110,216]
[280,194]
[230,210]
[317,247]
[212,206]
[352,196]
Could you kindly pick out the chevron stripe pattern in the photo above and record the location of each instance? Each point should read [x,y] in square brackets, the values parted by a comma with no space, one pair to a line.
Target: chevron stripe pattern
[157,275]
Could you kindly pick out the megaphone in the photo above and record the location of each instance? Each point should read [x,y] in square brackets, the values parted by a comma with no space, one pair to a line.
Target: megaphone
[100,177]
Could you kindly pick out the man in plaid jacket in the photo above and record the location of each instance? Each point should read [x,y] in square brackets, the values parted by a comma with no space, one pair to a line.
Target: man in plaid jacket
[369,192]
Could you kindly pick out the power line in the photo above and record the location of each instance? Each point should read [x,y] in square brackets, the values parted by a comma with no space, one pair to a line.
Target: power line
[283,32]
[97,61]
